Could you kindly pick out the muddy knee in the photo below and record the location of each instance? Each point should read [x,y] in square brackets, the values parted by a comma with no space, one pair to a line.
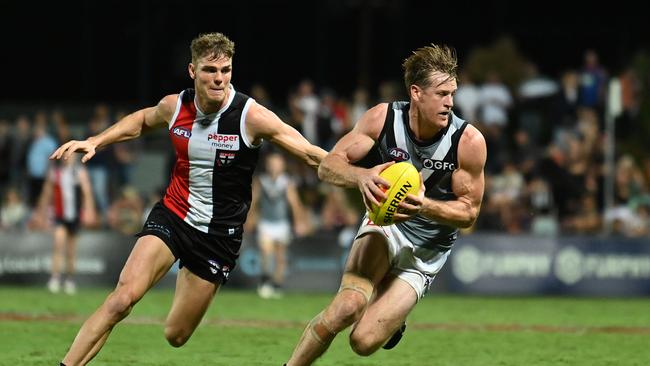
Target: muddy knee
[357,284]
[353,297]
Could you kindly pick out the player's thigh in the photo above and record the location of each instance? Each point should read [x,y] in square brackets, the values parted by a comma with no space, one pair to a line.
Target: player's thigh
[149,260]
[368,257]
[388,310]
[265,243]
[60,237]
[192,298]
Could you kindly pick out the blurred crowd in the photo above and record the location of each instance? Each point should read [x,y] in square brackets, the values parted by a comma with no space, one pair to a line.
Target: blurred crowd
[546,171]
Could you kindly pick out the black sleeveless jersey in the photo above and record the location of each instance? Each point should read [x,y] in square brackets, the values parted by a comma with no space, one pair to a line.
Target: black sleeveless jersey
[210,188]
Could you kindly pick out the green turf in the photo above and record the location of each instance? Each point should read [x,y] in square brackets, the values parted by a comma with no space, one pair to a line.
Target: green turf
[241,329]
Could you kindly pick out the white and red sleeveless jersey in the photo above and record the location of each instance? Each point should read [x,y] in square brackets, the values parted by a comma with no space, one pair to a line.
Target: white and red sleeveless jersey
[66,192]
[210,187]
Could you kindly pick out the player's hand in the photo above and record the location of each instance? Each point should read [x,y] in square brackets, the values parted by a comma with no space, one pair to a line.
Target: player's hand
[66,150]
[372,186]
[89,218]
[302,228]
[411,205]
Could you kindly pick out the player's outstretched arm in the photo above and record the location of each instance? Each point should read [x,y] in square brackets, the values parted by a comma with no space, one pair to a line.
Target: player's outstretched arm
[127,128]
[261,123]
[467,183]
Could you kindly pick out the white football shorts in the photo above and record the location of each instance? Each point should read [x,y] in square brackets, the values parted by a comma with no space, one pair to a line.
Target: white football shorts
[279,232]
[417,266]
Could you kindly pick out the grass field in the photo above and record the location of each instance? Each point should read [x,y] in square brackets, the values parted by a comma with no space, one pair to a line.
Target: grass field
[241,329]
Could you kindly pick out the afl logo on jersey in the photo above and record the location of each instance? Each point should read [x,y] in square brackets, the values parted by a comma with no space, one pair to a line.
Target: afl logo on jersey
[398,154]
[182,132]
[438,165]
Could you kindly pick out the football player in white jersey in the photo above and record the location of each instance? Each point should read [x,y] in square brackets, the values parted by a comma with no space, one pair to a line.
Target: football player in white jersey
[390,267]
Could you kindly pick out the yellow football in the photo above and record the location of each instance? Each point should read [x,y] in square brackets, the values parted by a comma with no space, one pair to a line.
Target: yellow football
[404,179]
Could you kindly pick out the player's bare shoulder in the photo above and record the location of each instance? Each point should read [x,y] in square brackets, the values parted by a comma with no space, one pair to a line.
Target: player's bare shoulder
[258,114]
[372,122]
[167,107]
[262,123]
[472,149]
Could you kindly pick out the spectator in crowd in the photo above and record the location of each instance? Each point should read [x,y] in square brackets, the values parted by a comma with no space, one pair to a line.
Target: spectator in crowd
[629,181]
[360,100]
[586,127]
[125,156]
[536,94]
[628,123]
[99,166]
[540,202]
[467,98]
[506,190]
[494,106]
[42,145]
[61,126]
[566,104]
[388,90]
[525,154]
[20,143]
[645,172]
[329,121]
[629,187]
[587,220]
[259,93]
[5,152]
[304,107]
[494,103]
[14,212]
[553,168]
[593,83]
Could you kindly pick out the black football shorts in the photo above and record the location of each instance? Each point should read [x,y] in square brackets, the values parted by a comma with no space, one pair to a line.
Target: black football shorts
[209,256]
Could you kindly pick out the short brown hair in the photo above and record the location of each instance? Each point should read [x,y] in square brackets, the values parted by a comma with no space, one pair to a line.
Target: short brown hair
[215,45]
[425,61]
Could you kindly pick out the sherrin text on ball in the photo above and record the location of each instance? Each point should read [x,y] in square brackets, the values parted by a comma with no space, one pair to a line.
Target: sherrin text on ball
[404,179]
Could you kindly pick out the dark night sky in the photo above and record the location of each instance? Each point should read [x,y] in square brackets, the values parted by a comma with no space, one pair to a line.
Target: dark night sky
[137,51]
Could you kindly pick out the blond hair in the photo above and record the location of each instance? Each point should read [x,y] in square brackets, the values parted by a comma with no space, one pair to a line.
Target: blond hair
[424,61]
[214,45]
